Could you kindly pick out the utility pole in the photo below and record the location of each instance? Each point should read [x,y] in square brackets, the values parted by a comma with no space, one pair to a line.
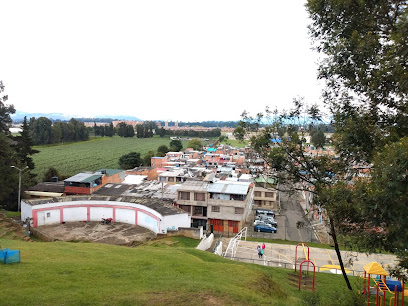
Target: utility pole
[19,187]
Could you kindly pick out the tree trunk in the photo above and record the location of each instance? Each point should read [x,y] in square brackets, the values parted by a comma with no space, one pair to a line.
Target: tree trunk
[336,247]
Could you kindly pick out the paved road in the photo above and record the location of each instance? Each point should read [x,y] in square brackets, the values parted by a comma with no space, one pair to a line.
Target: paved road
[291,213]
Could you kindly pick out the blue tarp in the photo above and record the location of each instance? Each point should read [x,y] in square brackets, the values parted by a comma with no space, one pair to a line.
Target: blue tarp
[9,256]
[276,140]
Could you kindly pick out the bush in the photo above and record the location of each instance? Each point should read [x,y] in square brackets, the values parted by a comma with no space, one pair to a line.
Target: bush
[130,161]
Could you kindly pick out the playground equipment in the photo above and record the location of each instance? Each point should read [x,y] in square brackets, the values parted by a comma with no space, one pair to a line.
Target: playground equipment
[307,260]
[335,269]
[300,272]
[306,255]
[381,286]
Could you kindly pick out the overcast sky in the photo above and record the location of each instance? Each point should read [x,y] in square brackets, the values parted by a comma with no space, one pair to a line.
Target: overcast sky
[168,60]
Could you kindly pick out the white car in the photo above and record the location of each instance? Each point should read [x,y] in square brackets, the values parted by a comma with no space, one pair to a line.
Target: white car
[262,222]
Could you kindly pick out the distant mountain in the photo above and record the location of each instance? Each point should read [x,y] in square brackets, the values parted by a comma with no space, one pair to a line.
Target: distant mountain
[19,116]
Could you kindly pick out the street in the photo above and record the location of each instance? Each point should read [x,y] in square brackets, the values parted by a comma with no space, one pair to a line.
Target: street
[290,215]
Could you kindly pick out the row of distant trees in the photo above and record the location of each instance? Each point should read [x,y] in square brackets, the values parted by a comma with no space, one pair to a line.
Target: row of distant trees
[43,131]
[189,133]
[106,130]
[134,159]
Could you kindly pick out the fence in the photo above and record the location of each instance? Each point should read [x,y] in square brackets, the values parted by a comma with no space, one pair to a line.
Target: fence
[304,234]
[287,265]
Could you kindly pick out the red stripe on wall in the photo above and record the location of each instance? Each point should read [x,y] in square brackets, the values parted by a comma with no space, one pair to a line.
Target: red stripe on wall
[88,206]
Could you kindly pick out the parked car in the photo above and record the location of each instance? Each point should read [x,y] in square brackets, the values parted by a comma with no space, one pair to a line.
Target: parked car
[266,212]
[266,221]
[265,228]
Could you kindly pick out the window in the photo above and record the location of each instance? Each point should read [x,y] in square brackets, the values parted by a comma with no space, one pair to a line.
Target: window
[198,210]
[239,210]
[170,179]
[257,202]
[162,179]
[199,196]
[269,194]
[257,193]
[186,208]
[184,195]
[48,214]
[215,209]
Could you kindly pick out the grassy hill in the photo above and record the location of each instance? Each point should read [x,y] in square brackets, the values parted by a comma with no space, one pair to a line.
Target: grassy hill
[162,272]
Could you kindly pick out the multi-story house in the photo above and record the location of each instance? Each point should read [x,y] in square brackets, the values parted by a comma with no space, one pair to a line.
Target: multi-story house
[265,193]
[222,205]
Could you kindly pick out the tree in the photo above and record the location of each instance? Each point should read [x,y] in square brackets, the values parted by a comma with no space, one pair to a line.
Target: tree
[195,143]
[130,131]
[24,145]
[13,152]
[161,132]
[130,160]
[148,158]
[50,173]
[366,72]
[365,68]
[288,163]
[163,149]
[318,138]
[176,145]
[9,179]
[5,111]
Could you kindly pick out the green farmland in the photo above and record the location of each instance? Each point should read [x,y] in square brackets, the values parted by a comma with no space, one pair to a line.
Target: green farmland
[71,158]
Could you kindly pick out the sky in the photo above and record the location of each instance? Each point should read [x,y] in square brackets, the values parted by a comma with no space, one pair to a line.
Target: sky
[156,60]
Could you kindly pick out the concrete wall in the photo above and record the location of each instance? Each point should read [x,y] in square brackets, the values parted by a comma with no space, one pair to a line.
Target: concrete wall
[40,235]
[54,213]
[174,222]
[218,249]
[26,211]
[206,243]
[190,232]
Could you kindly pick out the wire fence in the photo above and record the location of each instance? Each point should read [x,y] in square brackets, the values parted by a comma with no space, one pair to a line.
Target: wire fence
[290,265]
[305,234]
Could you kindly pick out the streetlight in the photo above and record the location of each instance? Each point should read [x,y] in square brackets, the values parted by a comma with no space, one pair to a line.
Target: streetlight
[19,187]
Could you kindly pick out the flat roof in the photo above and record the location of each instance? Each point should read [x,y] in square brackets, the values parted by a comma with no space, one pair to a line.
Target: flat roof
[194,186]
[229,187]
[262,179]
[110,171]
[84,177]
[163,207]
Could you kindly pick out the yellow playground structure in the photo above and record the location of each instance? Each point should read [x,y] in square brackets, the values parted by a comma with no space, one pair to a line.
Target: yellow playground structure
[377,284]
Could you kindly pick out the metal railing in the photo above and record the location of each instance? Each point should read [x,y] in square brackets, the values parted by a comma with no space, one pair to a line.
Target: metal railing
[234,242]
[287,265]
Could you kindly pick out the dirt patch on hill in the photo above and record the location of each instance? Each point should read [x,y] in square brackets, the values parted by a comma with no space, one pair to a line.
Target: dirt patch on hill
[11,228]
[306,281]
[118,233]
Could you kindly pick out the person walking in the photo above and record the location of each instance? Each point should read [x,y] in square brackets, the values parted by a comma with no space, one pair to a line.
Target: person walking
[259,249]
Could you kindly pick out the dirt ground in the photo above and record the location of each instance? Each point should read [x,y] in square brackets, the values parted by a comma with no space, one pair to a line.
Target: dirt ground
[118,233]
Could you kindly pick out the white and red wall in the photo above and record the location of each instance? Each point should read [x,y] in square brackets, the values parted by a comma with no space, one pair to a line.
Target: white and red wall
[123,212]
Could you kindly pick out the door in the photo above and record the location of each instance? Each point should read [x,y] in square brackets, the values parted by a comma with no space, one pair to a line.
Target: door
[40,218]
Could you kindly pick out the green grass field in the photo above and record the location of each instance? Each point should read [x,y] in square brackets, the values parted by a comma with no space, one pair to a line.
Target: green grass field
[162,272]
[236,143]
[72,158]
